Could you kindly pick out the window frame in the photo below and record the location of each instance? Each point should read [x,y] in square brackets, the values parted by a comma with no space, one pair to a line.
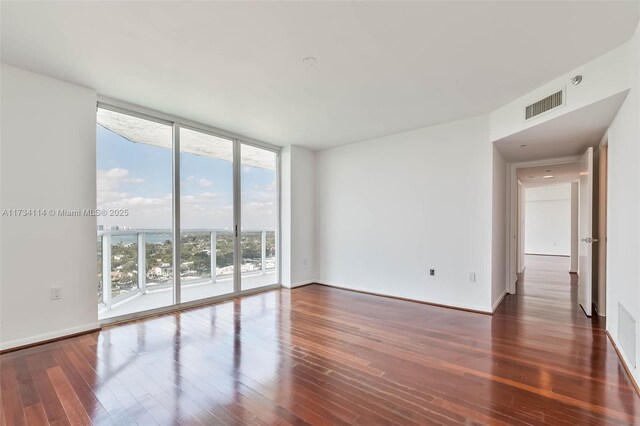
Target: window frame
[177,123]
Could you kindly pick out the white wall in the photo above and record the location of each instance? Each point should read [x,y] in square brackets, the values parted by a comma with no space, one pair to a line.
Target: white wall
[285,216]
[548,220]
[48,142]
[623,257]
[389,209]
[499,234]
[298,243]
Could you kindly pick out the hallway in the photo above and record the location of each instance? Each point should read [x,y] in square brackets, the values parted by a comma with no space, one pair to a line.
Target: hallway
[548,293]
[320,355]
[545,316]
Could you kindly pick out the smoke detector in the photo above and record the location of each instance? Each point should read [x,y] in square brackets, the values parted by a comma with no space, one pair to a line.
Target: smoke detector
[309,61]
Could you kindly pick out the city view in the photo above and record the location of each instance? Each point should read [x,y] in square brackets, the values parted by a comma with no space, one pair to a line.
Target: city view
[195,253]
[135,245]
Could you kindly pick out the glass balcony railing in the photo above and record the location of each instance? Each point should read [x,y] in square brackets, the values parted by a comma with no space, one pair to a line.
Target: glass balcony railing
[137,261]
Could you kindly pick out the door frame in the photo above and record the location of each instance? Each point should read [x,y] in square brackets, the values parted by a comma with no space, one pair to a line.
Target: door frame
[511,274]
[520,218]
[603,225]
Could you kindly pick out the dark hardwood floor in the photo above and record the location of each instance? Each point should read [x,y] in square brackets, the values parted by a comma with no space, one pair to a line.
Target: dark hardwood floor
[318,355]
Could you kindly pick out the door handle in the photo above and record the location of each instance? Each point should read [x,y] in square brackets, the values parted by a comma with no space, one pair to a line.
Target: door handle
[590,240]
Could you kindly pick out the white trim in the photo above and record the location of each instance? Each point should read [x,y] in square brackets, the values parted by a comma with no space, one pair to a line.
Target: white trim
[497,302]
[443,304]
[604,144]
[605,140]
[237,217]
[48,336]
[512,219]
[175,212]
[634,376]
[278,235]
[300,284]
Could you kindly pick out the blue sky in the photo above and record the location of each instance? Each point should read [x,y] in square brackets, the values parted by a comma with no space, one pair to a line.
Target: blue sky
[137,177]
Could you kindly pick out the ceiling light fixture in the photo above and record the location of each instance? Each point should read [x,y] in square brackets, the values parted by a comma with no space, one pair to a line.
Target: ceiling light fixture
[309,61]
[548,177]
[576,80]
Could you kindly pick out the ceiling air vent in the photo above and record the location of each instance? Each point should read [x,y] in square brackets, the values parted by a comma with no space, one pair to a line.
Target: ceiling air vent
[543,105]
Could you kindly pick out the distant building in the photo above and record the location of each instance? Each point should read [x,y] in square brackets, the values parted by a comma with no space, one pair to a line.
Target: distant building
[163,271]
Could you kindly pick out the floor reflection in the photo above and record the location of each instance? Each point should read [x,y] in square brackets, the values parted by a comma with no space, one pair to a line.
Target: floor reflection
[320,355]
[239,359]
[559,345]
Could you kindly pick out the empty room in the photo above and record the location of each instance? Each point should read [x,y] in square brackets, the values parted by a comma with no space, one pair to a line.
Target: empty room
[319,213]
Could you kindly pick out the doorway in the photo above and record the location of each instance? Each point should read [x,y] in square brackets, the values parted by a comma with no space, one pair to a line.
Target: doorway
[547,220]
[546,212]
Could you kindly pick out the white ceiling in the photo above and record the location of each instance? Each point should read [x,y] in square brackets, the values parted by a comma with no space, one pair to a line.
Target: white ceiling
[532,177]
[567,135]
[383,67]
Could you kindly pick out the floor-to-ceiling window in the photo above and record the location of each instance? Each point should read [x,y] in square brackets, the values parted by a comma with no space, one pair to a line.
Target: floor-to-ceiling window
[206,215]
[157,179]
[259,207]
[134,198]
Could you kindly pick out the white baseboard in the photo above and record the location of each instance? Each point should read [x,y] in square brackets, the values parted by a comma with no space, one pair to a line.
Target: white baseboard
[633,374]
[444,304]
[497,302]
[48,336]
[298,284]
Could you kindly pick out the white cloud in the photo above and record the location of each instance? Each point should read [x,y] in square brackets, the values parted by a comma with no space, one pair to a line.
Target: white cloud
[144,212]
[110,180]
[204,210]
[116,173]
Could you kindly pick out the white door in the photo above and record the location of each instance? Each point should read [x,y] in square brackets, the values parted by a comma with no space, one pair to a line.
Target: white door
[585,265]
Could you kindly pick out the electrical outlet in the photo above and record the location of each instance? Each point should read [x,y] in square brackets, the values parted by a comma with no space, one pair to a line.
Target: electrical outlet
[56,293]
[432,272]
[472,277]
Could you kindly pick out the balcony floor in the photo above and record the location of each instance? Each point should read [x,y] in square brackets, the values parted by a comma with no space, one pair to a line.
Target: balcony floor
[190,291]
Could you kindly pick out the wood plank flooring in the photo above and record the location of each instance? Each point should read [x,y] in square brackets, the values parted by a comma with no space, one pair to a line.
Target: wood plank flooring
[319,355]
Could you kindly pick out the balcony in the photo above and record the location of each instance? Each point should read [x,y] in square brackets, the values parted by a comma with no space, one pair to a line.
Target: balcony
[135,267]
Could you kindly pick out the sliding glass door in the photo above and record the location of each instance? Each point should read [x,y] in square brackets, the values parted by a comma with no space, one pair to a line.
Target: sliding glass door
[259,219]
[134,213]
[206,215]
[159,180]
